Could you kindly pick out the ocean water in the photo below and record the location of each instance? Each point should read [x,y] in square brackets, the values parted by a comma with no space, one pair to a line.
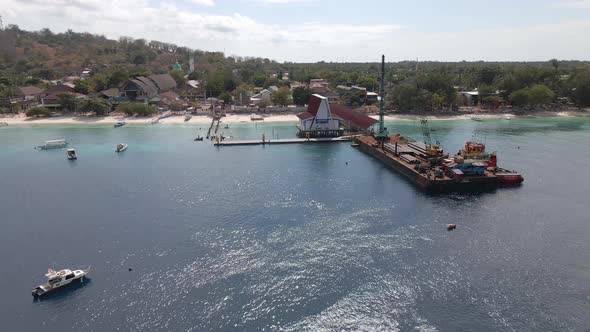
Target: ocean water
[291,238]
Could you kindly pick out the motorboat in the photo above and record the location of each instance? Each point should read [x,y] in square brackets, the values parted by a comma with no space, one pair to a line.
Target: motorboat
[199,138]
[187,118]
[476,118]
[165,115]
[71,154]
[121,147]
[256,117]
[53,144]
[58,279]
[226,127]
[120,124]
[507,118]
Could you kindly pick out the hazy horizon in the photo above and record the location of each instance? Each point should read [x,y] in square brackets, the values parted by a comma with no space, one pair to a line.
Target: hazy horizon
[314,30]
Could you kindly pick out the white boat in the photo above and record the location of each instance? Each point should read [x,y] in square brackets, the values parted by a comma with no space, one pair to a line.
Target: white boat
[507,118]
[187,117]
[121,147]
[71,154]
[53,144]
[256,117]
[476,118]
[58,279]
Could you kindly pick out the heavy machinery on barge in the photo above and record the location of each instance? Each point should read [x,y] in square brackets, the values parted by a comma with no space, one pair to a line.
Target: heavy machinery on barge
[428,166]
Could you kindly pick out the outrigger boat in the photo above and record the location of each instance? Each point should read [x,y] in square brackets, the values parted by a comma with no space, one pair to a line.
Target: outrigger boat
[121,147]
[58,279]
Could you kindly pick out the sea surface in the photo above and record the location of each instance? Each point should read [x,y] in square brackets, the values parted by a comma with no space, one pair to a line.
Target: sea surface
[184,236]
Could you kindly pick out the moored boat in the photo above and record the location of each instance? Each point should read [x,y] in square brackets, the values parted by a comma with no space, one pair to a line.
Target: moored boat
[199,138]
[155,121]
[508,178]
[58,279]
[120,124]
[476,118]
[71,154]
[53,144]
[121,147]
[187,118]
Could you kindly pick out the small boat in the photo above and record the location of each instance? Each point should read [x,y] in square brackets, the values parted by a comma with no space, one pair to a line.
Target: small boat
[58,279]
[187,118]
[226,127]
[71,154]
[476,118]
[355,145]
[256,117]
[53,144]
[198,138]
[121,147]
[3,123]
[120,124]
[155,121]
[507,118]
[451,227]
[165,115]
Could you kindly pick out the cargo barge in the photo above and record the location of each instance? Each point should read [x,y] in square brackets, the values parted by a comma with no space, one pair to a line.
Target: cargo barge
[430,169]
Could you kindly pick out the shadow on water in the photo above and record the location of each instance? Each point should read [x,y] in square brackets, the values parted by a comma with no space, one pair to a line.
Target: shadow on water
[64,292]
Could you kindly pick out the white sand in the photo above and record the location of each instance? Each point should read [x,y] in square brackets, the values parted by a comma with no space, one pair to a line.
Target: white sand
[21,119]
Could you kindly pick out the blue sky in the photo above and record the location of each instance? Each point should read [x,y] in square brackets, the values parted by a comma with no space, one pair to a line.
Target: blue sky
[330,30]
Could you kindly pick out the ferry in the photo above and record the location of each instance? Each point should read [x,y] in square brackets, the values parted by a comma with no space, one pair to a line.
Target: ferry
[58,279]
[53,144]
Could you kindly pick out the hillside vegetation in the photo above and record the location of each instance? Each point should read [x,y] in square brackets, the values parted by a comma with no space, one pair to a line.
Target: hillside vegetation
[36,57]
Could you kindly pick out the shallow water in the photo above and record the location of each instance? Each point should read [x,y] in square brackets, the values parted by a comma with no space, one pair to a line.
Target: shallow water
[290,237]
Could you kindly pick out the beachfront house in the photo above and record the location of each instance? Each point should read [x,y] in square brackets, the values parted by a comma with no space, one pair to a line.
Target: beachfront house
[144,88]
[263,95]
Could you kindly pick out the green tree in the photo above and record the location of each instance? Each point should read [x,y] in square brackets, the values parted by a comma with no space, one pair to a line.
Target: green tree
[519,97]
[38,111]
[96,106]
[83,86]
[68,102]
[242,93]
[282,97]
[259,80]
[226,97]
[301,95]
[178,77]
[540,94]
[579,88]
[131,109]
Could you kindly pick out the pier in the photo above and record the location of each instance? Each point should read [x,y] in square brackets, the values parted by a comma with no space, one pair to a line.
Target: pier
[285,141]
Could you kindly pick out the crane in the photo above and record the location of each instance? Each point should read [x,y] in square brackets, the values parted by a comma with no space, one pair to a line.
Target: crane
[431,149]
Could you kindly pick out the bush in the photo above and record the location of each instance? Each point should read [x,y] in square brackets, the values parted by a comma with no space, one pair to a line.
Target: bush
[96,106]
[536,95]
[38,111]
[136,109]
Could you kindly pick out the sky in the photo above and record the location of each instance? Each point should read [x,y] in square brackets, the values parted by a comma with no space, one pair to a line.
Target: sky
[331,30]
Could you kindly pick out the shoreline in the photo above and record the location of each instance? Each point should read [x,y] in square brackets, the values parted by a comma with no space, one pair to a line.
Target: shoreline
[20,119]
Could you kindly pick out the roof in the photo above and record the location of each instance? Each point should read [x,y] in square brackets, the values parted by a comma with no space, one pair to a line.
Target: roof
[304,115]
[112,92]
[313,105]
[163,81]
[58,89]
[356,118]
[169,95]
[29,90]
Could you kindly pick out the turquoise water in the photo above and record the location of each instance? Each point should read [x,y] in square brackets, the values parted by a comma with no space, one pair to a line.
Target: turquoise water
[291,237]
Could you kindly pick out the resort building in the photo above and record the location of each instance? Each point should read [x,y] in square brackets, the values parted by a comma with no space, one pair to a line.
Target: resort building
[323,119]
[142,88]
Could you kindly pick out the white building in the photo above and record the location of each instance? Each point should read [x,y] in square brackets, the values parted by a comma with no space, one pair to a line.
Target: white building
[318,120]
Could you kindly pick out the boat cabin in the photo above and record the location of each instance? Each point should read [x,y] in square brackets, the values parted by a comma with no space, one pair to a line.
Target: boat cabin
[472,148]
[56,278]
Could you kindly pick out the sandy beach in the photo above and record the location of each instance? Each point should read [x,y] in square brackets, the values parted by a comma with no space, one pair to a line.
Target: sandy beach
[21,119]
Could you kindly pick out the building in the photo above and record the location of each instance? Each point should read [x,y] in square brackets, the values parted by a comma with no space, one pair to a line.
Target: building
[263,95]
[24,97]
[333,97]
[142,88]
[319,85]
[323,119]
[318,121]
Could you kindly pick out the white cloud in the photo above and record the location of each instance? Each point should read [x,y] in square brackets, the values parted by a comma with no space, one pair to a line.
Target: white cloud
[203,2]
[574,4]
[306,42]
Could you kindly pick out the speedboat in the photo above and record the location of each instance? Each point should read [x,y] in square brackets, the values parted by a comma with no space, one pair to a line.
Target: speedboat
[71,154]
[121,147]
[120,124]
[187,117]
[58,279]
[54,144]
